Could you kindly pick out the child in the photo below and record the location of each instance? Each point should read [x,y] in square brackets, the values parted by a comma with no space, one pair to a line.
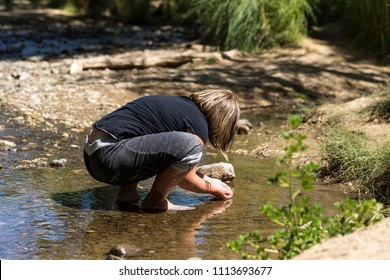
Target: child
[162,136]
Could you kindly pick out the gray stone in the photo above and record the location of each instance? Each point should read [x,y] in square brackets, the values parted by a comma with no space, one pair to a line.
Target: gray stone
[244,126]
[221,170]
[124,251]
[58,162]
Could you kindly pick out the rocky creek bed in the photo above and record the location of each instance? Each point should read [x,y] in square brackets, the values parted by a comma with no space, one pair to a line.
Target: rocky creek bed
[52,100]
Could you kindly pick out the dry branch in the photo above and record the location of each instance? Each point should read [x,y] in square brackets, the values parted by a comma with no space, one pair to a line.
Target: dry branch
[140,59]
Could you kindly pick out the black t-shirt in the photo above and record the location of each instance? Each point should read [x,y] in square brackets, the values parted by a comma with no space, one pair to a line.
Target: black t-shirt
[155,114]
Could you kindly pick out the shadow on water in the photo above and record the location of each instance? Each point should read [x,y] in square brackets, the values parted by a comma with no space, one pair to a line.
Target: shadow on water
[48,213]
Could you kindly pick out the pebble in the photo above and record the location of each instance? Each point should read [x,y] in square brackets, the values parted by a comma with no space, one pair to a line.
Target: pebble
[58,162]
[244,126]
[124,251]
[7,143]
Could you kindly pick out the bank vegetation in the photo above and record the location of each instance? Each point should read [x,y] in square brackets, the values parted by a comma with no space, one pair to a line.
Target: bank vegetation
[247,25]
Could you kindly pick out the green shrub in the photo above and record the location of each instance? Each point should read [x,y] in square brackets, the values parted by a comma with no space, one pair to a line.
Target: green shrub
[367,23]
[253,24]
[352,157]
[175,12]
[380,110]
[327,11]
[348,153]
[135,11]
[302,224]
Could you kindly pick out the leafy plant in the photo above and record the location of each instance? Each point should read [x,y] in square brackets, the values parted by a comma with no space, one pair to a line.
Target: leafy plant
[302,224]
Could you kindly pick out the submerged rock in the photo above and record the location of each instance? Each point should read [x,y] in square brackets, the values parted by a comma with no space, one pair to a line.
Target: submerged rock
[244,126]
[8,145]
[33,163]
[58,162]
[221,170]
[124,251]
[41,162]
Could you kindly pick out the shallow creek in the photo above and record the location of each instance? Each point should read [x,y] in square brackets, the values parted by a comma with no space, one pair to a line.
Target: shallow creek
[62,213]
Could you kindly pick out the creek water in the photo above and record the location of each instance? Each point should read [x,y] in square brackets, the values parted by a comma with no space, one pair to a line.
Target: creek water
[62,213]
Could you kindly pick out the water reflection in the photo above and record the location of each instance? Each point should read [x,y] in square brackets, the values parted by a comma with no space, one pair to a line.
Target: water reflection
[168,235]
[64,214]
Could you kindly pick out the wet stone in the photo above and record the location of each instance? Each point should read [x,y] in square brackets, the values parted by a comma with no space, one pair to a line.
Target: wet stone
[58,162]
[124,251]
[244,126]
[221,170]
[7,143]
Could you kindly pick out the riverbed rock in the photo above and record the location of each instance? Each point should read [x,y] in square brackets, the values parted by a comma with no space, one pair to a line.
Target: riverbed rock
[58,162]
[221,170]
[7,143]
[124,251]
[32,163]
[244,126]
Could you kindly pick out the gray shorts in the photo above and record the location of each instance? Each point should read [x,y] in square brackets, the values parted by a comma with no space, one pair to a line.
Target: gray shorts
[136,159]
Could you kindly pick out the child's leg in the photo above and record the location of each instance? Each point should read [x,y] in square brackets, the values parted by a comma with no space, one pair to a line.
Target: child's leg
[170,155]
[127,194]
[165,182]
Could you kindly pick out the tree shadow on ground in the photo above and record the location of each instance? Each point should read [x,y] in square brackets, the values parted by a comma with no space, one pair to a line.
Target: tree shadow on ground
[46,34]
[281,77]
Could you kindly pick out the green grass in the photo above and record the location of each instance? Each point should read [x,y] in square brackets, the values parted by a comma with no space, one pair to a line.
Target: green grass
[253,24]
[380,111]
[302,224]
[367,23]
[352,157]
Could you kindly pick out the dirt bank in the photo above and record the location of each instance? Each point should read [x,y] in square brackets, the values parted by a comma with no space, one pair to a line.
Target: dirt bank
[37,49]
[371,243]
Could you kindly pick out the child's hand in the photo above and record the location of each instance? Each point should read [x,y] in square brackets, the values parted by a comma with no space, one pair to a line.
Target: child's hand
[220,189]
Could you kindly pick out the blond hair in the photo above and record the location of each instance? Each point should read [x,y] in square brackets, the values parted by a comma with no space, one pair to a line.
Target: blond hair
[222,112]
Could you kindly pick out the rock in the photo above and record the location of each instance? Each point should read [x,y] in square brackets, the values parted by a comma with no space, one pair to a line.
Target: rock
[124,251]
[244,126]
[232,54]
[29,146]
[7,143]
[76,68]
[58,162]
[34,163]
[222,170]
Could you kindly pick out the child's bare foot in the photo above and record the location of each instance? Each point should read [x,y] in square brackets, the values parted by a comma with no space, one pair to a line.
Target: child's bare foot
[164,206]
[127,194]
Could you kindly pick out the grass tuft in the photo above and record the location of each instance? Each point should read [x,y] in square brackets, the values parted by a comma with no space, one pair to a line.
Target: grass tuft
[352,157]
[253,24]
[367,22]
[380,111]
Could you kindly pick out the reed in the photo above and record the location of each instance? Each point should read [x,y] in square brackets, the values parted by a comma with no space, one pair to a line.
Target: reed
[352,157]
[367,23]
[253,24]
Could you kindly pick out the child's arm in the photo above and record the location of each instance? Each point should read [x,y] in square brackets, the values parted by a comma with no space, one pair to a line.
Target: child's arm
[195,183]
